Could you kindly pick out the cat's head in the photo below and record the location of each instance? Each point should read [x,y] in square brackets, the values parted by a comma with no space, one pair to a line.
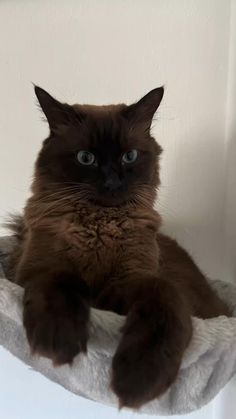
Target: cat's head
[101,154]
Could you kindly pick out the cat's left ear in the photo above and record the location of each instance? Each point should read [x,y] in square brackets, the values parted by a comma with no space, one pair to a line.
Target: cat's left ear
[142,112]
[58,114]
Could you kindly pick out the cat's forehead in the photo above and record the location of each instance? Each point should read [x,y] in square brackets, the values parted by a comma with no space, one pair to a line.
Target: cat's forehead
[106,129]
[99,111]
[104,125]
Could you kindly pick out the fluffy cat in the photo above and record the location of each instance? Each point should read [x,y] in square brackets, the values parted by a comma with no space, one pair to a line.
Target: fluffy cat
[90,237]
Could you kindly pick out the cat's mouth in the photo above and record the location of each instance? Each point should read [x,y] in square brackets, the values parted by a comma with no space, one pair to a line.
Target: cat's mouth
[141,197]
[110,198]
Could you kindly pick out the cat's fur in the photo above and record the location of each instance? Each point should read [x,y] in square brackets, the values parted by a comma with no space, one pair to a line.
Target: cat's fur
[90,237]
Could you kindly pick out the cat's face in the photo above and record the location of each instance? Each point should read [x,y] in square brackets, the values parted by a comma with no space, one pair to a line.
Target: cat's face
[104,154]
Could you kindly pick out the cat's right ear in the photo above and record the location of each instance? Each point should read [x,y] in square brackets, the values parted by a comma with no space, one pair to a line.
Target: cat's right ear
[58,114]
[141,113]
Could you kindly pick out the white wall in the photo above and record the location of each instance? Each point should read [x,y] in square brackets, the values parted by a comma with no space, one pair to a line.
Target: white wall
[113,51]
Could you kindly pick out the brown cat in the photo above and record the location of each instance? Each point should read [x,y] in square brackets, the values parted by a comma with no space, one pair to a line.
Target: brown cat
[90,237]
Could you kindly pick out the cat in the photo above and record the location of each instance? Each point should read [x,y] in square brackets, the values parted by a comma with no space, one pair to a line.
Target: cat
[90,236]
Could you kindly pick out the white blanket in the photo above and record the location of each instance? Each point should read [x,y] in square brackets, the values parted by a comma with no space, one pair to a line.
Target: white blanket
[208,364]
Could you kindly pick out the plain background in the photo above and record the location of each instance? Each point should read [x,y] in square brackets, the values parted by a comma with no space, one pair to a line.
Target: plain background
[111,51]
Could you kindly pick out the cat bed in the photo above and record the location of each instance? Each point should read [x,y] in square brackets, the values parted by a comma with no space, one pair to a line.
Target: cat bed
[208,364]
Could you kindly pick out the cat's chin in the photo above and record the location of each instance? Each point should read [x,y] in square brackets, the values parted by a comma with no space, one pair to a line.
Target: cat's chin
[109,203]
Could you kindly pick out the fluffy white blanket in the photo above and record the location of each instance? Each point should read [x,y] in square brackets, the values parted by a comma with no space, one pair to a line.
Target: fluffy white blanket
[208,364]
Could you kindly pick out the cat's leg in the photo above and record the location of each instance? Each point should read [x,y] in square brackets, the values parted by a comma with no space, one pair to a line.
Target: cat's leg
[156,333]
[56,302]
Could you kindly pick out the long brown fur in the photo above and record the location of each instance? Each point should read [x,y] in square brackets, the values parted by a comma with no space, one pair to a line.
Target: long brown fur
[83,245]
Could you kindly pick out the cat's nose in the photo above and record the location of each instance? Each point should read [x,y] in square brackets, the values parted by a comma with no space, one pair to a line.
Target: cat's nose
[113,183]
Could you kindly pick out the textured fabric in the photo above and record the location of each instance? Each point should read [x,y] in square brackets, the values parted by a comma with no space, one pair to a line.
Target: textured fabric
[208,364]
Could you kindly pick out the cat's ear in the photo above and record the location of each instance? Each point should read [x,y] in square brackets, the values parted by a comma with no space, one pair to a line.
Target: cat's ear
[57,113]
[142,112]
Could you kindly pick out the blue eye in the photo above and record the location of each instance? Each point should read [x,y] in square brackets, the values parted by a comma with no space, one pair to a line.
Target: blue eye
[130,156]
[86,158]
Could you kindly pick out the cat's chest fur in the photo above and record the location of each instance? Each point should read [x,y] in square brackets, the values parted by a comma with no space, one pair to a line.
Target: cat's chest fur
[99,240]
[92,232]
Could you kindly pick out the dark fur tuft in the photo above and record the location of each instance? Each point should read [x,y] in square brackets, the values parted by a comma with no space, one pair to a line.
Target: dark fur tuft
[15,224]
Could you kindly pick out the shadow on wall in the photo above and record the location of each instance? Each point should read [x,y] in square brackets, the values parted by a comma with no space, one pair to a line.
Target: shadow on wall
[191,197]
[230,206]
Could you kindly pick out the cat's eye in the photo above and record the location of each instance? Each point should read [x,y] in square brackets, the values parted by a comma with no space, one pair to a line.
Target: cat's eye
[86,158]
[130,156]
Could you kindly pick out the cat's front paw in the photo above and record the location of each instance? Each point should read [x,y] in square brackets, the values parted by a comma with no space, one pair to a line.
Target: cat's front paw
[148,357]
[56,315]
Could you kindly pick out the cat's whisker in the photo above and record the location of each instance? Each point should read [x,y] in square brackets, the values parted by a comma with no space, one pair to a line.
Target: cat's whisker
[54,206]
[47,197]
[62,202]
